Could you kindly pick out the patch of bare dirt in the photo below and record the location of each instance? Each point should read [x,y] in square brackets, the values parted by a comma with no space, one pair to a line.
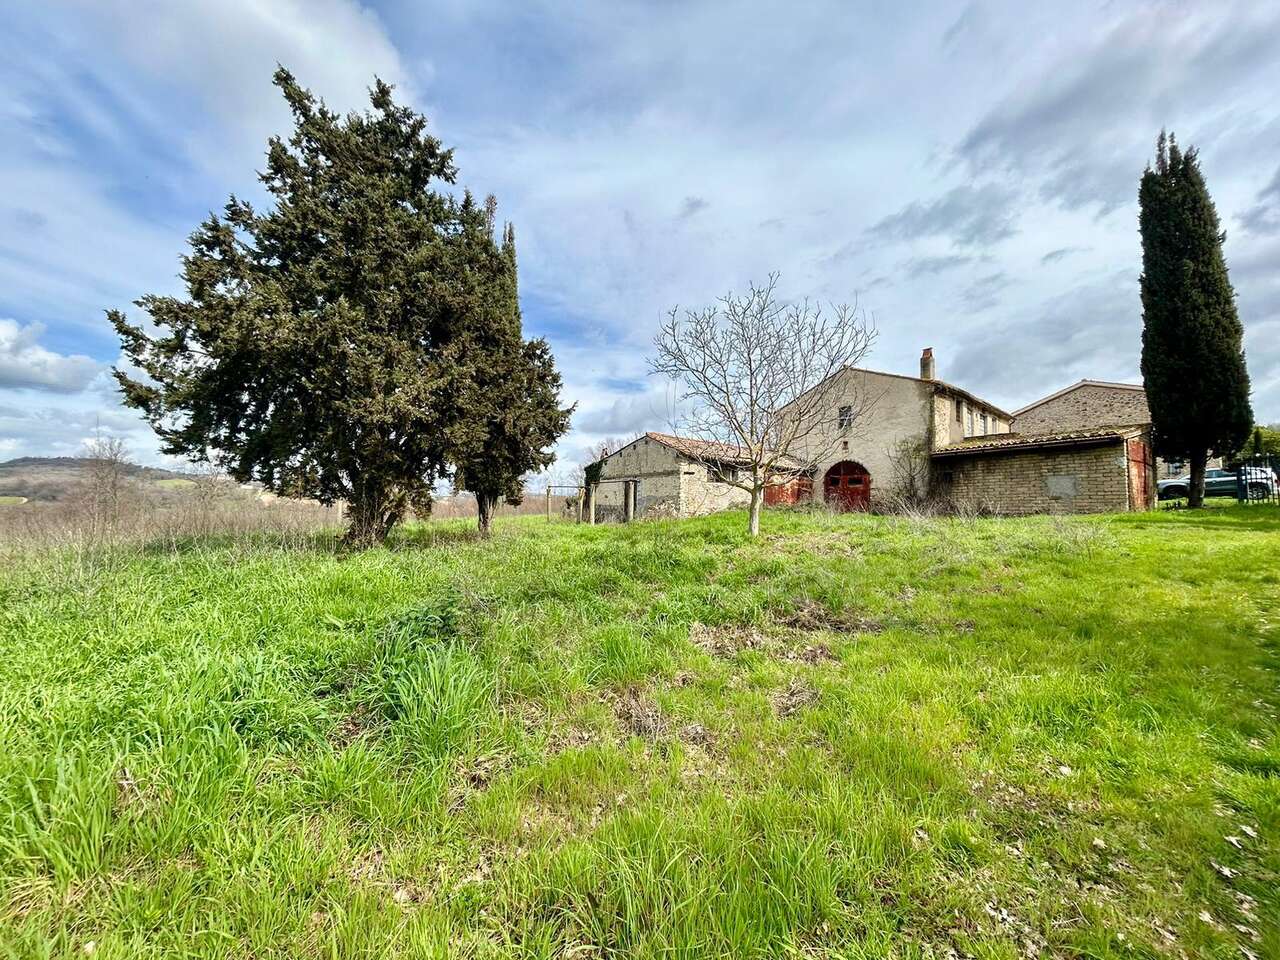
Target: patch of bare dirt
[811,615]
[794,698]
[813,654]
[695,733]
[352,727]
[727,640]
[637,715]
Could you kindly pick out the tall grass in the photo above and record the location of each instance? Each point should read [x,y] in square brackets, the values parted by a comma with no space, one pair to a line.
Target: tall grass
[856,737]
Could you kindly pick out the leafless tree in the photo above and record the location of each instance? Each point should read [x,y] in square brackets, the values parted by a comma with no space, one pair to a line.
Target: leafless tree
[757,376]
[105,488]
[909,460]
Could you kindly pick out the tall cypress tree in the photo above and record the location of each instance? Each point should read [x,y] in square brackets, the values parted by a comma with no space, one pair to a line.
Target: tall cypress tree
[511,390]
[1192,340]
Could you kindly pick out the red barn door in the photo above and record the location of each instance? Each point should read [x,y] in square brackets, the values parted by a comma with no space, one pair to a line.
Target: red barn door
[847,486]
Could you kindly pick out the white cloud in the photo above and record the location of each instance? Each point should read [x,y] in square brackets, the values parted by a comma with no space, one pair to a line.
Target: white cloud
[25,364]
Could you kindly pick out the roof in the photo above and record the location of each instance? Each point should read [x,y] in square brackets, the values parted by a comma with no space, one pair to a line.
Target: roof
[1136,387]
[1037,441]
[939,385]
[710,449]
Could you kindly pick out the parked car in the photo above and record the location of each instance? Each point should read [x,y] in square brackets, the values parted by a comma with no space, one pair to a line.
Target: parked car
[1260,483]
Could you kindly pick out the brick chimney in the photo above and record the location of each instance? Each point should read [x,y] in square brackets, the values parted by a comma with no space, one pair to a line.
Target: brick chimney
[926,364]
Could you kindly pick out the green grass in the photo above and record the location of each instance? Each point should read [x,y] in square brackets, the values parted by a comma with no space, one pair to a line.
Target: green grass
[8,501]
[856,737]
[174,483]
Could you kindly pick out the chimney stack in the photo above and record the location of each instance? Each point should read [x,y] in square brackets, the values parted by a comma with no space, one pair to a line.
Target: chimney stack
[926,364]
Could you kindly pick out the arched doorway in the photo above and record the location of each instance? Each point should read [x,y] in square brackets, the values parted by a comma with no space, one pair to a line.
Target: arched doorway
[847,486]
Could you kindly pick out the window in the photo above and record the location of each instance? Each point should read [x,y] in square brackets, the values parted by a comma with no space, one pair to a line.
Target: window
[844,446]
[983,423]
[968,428]
[724,474]
[959,411]
[845,417]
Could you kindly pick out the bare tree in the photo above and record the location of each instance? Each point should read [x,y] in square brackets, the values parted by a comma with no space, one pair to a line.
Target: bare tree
[758,378]
[909,460]
[105,488]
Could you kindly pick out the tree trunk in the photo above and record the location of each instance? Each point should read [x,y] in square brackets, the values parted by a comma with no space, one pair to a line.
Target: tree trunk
[757,497]
[372,513]
[1195,492]
[484,511]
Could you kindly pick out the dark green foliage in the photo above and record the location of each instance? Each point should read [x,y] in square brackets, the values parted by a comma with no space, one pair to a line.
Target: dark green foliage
[326,347]
[515,392]
[1192,353]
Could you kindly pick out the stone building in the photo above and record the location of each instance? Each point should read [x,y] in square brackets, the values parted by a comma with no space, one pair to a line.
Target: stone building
[665,475]
[884,436]
[1090,404]
[1103,470]
[874,440]
[889,435]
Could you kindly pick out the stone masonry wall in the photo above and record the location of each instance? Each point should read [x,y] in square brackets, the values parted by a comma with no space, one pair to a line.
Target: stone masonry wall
[669,484]
[1086,407]
[1072,480]
[700,494]
[658,469]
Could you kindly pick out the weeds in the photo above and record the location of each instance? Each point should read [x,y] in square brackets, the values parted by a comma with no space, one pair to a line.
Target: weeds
[858,736]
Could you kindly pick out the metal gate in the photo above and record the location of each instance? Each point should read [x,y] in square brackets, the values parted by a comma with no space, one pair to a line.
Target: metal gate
[1258,479]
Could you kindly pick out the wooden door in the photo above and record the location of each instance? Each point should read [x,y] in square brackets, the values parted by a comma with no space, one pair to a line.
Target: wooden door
[847,486]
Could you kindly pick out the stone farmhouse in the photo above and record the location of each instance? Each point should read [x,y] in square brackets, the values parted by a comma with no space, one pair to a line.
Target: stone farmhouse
[1083,449]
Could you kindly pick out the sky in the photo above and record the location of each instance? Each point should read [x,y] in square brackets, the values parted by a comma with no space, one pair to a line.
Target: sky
[967,173]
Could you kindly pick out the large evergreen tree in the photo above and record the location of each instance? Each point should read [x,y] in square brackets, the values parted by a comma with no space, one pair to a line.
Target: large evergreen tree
[1192,352]
[321,344]
[511,390]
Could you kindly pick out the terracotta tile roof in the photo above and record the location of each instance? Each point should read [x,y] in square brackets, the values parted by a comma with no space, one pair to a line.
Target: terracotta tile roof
[711,449]
[1032,441]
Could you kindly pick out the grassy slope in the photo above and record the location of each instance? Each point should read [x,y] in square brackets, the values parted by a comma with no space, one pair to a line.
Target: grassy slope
[857,737]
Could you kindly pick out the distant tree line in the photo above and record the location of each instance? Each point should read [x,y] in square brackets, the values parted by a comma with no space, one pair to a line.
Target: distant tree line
[358,341]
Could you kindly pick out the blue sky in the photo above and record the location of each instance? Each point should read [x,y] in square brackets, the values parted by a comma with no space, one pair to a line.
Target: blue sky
[968,172]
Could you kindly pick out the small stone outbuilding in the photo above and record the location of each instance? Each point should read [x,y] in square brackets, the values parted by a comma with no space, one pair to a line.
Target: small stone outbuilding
[668,476]
[1103,470]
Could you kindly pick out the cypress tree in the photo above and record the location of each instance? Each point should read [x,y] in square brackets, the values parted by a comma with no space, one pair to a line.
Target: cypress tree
[329,347]
[1193,363]
[511,393]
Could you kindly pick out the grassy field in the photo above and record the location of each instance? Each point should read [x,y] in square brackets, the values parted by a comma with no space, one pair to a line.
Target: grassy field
[856,737]
[11,501]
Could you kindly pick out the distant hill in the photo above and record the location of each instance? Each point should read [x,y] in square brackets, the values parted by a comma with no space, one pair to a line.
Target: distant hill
[52,478]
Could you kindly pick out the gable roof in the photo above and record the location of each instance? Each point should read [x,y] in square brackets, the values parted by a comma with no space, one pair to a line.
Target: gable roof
[1038,441]
[711,449]
[940,386]
[1136,387]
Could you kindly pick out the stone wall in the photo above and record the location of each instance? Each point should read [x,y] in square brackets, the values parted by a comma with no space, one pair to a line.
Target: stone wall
[1084,407]
[669,484]
[701,493]
[890,409]
[1062,480]
[656,466]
